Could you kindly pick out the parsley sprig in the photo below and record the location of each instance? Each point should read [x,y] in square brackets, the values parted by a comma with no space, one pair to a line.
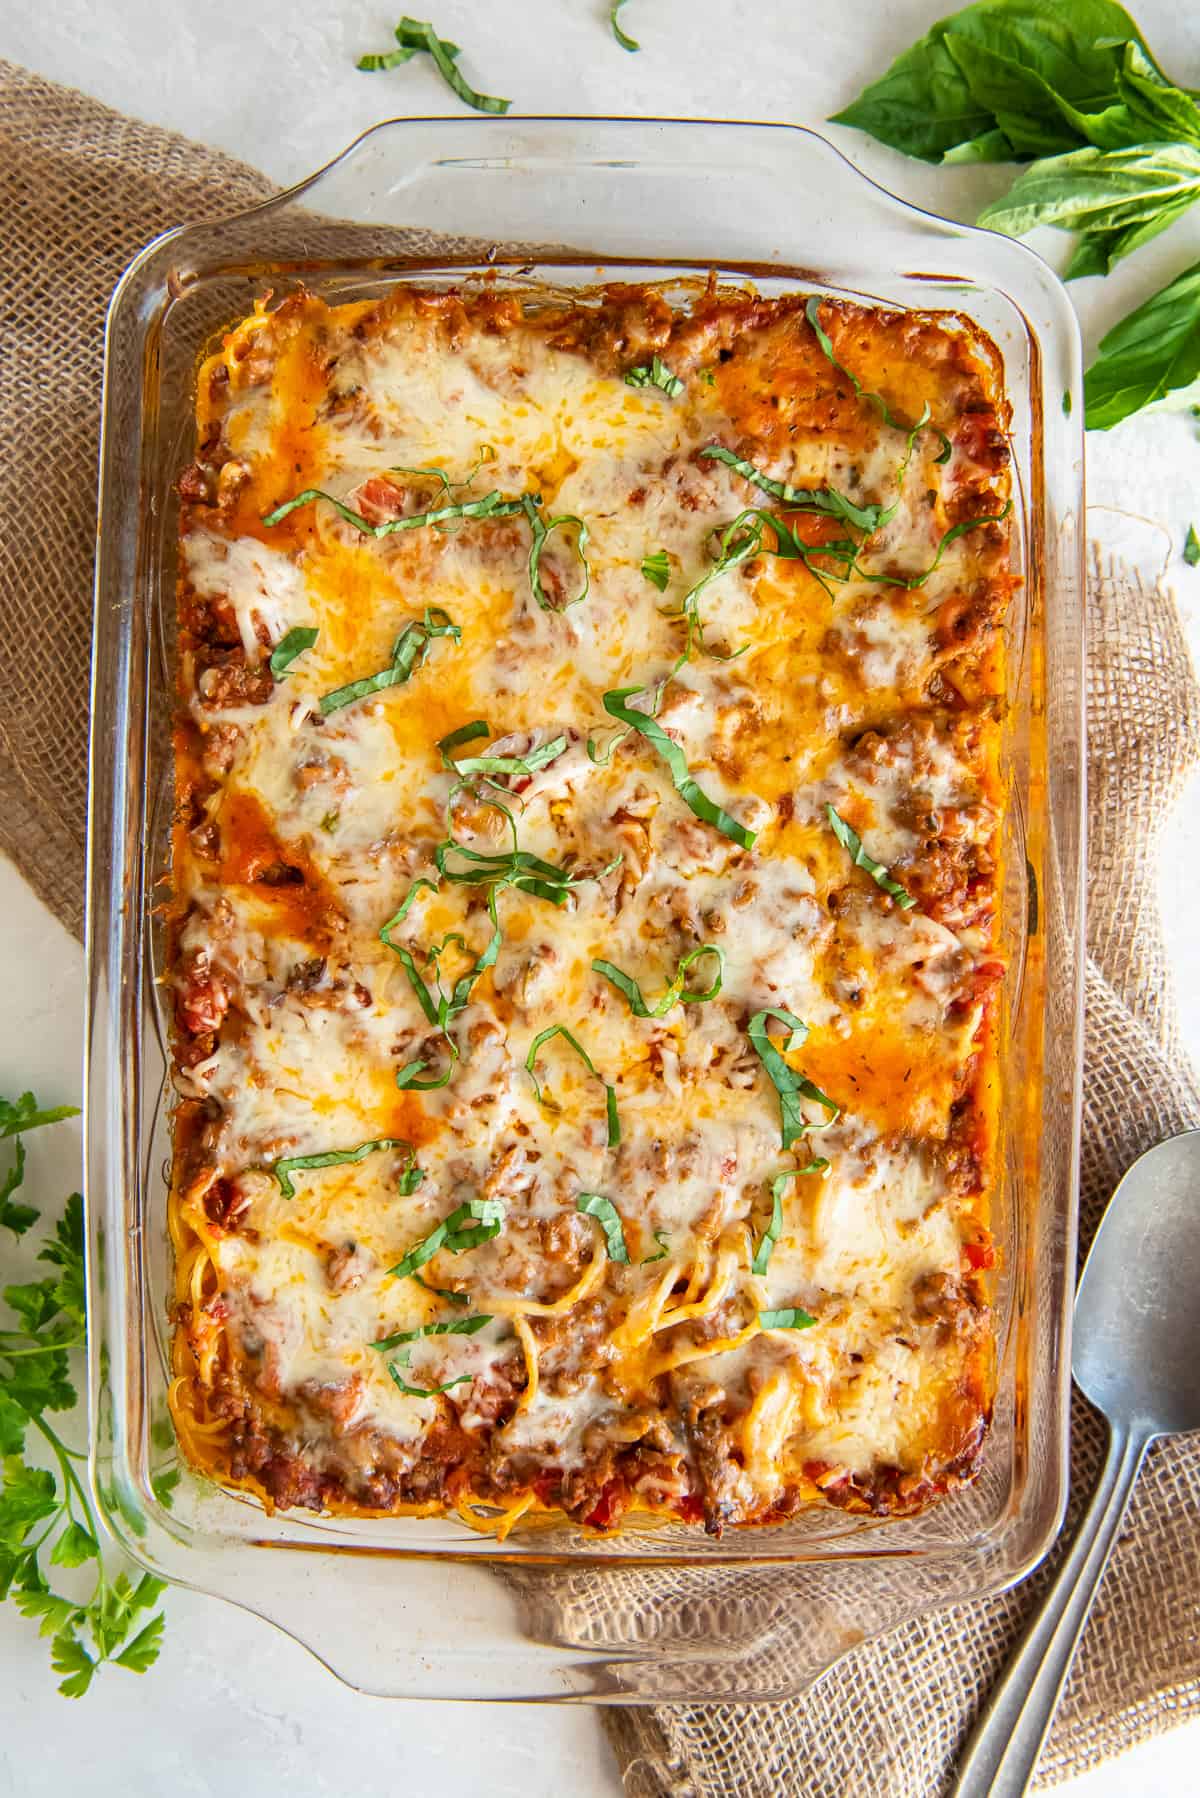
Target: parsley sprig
[46,1515]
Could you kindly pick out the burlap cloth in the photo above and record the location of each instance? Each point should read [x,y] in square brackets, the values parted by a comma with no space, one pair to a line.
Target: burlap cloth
[81,189]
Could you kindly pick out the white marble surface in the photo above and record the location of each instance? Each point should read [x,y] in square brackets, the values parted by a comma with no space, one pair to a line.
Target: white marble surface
[276,85]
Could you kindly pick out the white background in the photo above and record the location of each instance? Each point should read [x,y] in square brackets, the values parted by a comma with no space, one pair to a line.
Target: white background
[233,1705]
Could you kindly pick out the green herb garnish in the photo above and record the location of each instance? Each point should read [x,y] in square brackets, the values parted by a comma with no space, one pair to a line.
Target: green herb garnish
[411,1177]
[47,1518]
[426,1391]
[693,796]
[541,530]
[413,35]
[458,1326]
[676,994]
[792,1318]
[790,1086]
[1191,547]
[654,374]
[626,42]
[297,640]
[478,1221]
[610,1092]
[408,653]
[594,1204]
[663,1250]
[850,840]
[527,764]
[490,506]
[770,1236]
[825,500]
[657,569]
[441,1292]
[288,1164]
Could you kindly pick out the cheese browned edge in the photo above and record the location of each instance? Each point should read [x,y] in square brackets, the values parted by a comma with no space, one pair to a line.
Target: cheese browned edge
[597,1388]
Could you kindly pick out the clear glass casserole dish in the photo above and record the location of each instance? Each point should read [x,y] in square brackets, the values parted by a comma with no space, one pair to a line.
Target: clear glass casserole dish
[423,1607]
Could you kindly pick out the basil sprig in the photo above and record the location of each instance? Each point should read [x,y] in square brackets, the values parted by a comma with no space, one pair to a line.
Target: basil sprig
[297,640]
[654,374]
[594,1204]
[610,1092]
[770,1236]
[626,42]
[408,653]
[693,796]
[789,1085]
[791,1318]
[287,1165]
[478,1221]
[413,35]
[676,994]
[492,505]
[458,1326]
[541,529]
[656,569]
[850,840]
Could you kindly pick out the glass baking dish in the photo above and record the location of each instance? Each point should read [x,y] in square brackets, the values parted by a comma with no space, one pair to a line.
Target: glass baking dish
[425,1607]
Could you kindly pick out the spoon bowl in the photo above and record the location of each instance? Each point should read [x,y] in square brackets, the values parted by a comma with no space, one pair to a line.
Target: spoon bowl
[1136,1352]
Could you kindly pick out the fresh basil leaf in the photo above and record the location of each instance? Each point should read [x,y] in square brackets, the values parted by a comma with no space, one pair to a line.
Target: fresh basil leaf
[626,42]
[408,653]
[610,1092]
[1152,351]
[693,796]
[792,1318]
[657,569]
[427,1391]
[594,1204]
[654,374]
[458,1326]
[297,640]
[850,840]
[676,994]
[789,1085]
[284,1168]
[1101,191]
[541,530]
[1191,547]
[479,1220]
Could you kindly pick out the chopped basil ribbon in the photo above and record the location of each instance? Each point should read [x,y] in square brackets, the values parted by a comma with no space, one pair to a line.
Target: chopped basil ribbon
[458,1326]
[842,550]
[440,1007]
[412,1176]
[626,42]
[594,1204]
[466,1227]
[297,640]
[657,374]
[693,796]
[737,544]
[408,653]
[490,506]
[657,569]
[288,1164]
[793,1318]
[1191,547]
[708,377]
[541,530]
[852,842]
[486,454]
[441,1292]
[770,1236]
[676,993]
[790,1086]
[610,1092]
[805,499]
[663,1250]
[537,758]
[812,312]
[417,34]
[427,1391]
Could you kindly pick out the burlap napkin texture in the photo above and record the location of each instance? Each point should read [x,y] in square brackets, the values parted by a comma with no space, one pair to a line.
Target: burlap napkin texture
[81,190]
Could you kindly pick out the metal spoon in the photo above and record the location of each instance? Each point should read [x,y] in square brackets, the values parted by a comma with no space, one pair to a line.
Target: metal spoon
[1137,1349]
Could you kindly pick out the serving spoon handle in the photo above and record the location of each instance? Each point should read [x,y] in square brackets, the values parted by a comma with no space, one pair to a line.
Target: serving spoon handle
[1004,1746]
